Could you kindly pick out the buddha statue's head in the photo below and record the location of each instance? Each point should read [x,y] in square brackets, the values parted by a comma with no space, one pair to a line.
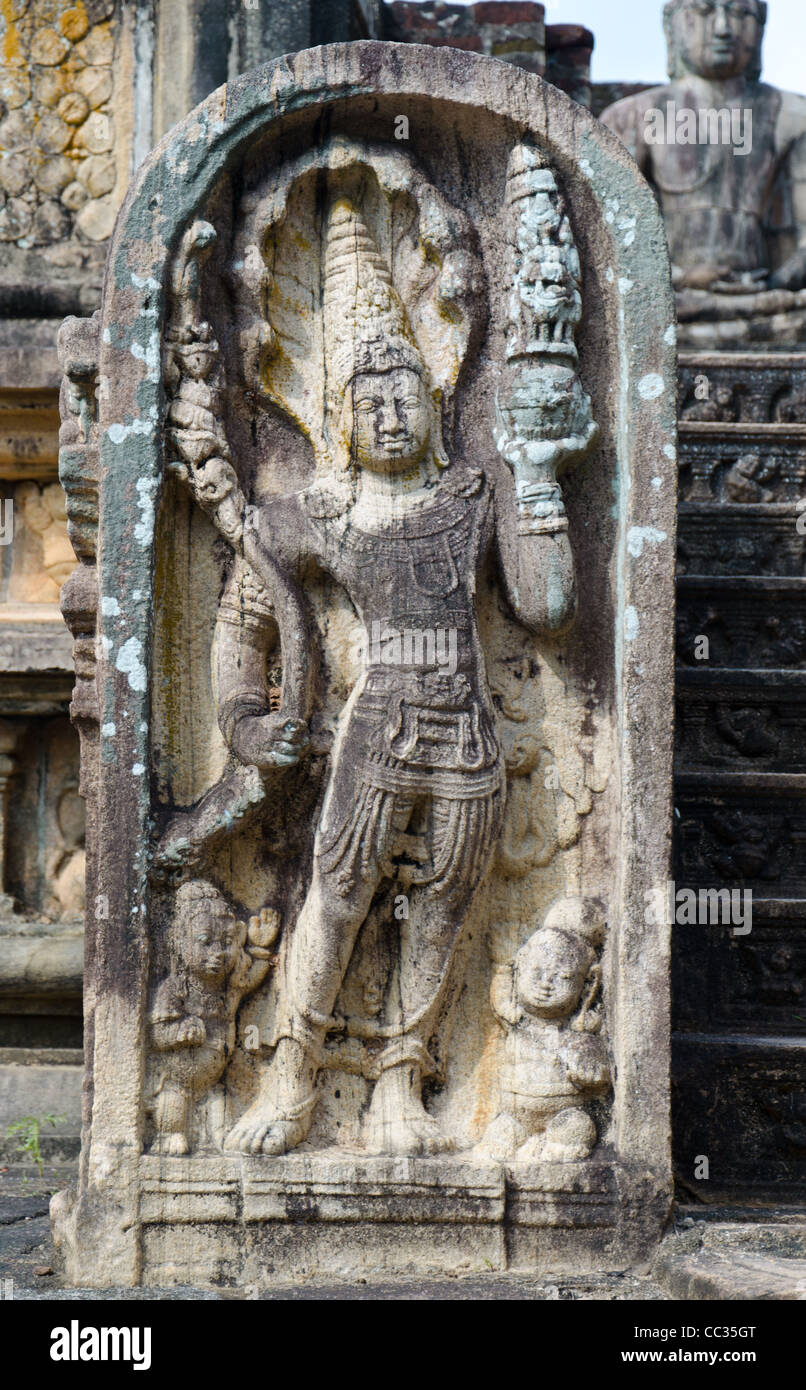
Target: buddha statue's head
[716,39]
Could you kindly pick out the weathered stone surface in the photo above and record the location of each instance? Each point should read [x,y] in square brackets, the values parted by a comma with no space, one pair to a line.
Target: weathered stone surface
[723,1260]
[49,47]
[74,196]
[15,88]
[73,108]
[95,84]
[569,48]
[53,175]
[514,31]
[440,346]
[74,23]
[36,962]
[63,104]
[96,219]
[97,174]
[14,173]
[727,156]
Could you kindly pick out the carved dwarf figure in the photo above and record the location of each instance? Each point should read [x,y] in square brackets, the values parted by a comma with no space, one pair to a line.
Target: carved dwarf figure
[727,155]
[218,961]
[553,1060]
[416,783]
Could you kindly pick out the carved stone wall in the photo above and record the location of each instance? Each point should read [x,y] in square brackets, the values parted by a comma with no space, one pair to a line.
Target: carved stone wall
[64,143]
[66,151]
[512,30]
[736,224]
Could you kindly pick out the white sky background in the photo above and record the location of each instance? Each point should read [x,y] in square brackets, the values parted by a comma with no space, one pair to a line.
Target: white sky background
[630,45]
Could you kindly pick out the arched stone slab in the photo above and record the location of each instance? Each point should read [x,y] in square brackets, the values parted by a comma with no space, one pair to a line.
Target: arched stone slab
[473,186]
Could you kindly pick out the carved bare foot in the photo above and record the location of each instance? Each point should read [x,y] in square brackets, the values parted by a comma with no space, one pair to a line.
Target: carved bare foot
[500,1139]
[280,1117]
[533,1151]
[397,1122]
[170,1144]
[570,1136]
[269,1128]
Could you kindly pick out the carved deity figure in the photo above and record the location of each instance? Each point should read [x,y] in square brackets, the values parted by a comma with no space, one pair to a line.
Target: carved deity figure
[417,782]
[727,156]
[553,1059]
[218,960]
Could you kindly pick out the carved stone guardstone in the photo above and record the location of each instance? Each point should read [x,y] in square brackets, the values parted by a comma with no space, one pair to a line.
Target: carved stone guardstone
[374,658]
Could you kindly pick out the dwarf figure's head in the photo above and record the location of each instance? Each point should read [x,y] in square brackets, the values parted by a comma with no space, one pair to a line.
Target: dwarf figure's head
[208,938]
[556,969]
[716,39]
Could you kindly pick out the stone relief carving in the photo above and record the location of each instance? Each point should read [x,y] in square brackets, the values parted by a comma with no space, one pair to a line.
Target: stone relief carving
[744,482]
[751,389]
[329,417]
[68,859]
[361,347]
[768,734]
[543,415]
[736,845]
[79,446]
[790,406]
[720,407]
[754,639]
[78,435]
[554,1060]
[217,960]
[46,557]
[552,769]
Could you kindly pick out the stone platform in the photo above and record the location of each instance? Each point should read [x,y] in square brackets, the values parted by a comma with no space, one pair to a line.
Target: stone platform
[266,1220]
[710,1255]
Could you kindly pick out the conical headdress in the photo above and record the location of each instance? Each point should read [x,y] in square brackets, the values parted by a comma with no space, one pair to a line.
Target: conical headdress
[366,326]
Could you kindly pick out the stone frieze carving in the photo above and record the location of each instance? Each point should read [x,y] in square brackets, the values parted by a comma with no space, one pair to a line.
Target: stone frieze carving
[58,172]
[415,788]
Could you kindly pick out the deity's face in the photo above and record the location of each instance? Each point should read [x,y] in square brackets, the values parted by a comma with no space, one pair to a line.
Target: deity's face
[716,39]
[214,942]
[551,974]
[391,420]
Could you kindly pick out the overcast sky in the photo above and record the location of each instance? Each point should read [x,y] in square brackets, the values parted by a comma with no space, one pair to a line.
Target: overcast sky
[630,46]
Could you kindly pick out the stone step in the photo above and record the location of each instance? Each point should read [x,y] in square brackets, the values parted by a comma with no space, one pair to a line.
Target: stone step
[739,1261]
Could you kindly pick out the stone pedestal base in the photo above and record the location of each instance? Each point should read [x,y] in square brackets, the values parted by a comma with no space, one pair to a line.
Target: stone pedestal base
[770,319]
[226,1220]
